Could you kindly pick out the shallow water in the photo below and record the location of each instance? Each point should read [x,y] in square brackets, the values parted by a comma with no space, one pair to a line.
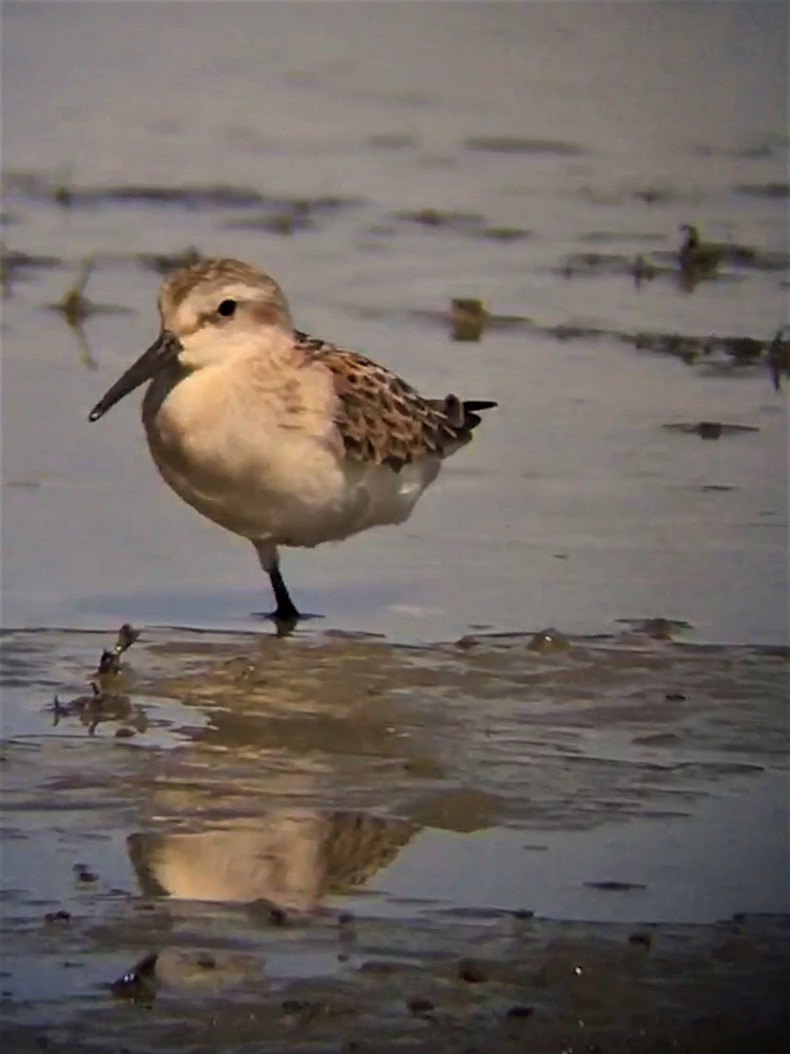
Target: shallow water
[409,803]
[594,129]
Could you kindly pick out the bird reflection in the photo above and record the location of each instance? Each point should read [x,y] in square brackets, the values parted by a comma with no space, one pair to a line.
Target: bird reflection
[289,858]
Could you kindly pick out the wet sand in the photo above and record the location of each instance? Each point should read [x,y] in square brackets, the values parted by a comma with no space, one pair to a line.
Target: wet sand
[334,843]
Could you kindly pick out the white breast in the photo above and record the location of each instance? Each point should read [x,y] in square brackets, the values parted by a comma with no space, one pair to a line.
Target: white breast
[264,461]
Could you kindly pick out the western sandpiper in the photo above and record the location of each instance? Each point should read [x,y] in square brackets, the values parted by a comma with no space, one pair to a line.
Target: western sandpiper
[275,435]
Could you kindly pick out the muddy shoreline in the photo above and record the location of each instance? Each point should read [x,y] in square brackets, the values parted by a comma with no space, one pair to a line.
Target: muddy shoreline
[332,843]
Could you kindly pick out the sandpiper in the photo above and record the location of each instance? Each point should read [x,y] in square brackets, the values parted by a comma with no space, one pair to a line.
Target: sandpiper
[282,438]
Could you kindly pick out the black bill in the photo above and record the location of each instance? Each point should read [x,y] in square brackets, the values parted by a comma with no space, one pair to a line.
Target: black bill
[162,352]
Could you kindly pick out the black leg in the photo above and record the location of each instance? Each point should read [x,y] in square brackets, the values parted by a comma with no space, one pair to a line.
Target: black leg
[285,610]
[285,616]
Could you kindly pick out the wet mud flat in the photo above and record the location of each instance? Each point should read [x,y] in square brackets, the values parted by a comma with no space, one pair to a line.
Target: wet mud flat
[331,843]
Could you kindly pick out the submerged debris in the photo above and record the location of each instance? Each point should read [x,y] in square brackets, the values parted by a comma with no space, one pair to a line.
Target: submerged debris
[700,260]
[641,938]
[15,264]
[109,663]
[770,190]
[744,350]
[656,628]
[307,1010]
[58,917]
[473,971]
[75,306]
[94,708]
[512,144]
[446,218]
[503,234]
[709,429]
[164,263]
[102,705]
[32,186]
[737,352]
[419,1005]
[469,318]
[5,275]
[613,886]
[592,263]
[549,640]
[289,220]
[84,874]
[86,355]
[643,271]
[778,356]
[391,140]
[655,195]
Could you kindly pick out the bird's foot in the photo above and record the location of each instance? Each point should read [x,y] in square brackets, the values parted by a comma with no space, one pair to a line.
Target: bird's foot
[285,619]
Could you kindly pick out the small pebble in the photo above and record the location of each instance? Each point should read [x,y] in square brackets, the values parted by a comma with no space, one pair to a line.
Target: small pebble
[58,916]
[520,1011]
[640,938]
[84,874]
[472,972]
[420,1005]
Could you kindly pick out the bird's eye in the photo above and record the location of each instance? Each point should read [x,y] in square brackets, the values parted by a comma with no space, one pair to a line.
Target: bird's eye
[227,308]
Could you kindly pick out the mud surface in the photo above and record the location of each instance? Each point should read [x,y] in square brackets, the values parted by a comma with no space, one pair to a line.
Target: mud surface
[327,842]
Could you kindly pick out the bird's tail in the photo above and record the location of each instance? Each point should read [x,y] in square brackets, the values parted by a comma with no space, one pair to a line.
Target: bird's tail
[462,415]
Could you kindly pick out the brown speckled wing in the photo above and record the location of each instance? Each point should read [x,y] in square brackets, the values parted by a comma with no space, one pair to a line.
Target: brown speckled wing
[382,419]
